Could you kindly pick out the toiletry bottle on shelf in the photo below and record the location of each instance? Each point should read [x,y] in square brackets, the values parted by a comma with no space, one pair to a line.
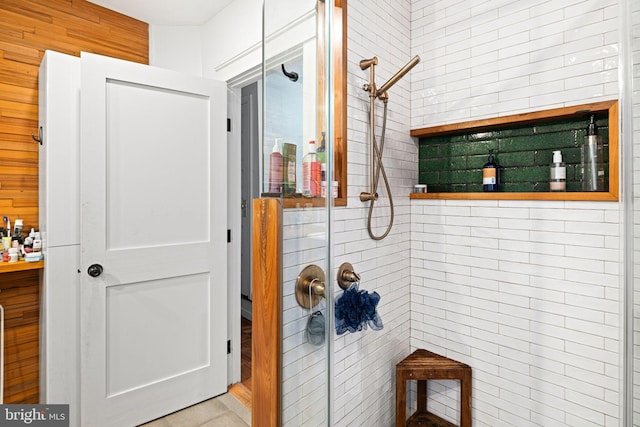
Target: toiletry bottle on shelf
[275,168]
[311,172]
[491,174]
[322,158]
[558,173]
[17,227]
[289,169]
[592,159]
[37,243]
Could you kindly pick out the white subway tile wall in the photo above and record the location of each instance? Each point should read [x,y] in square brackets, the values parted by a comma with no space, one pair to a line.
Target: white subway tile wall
[528,293]
[486,59]
[304,366]
[534,313]
[364,362]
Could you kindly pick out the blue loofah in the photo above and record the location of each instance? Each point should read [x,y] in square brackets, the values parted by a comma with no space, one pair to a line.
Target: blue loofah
[355,309]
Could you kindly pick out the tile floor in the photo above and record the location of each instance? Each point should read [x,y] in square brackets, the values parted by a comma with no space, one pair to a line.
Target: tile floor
[222,411]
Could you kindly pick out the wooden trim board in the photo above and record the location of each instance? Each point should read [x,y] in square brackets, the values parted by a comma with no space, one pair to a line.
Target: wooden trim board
[611,107]
[266,313]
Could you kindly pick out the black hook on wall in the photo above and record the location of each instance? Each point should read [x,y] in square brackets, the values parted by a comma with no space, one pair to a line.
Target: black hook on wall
[39,138]
[293,76]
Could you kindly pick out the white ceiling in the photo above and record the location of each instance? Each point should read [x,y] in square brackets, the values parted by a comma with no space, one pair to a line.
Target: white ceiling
[167,12]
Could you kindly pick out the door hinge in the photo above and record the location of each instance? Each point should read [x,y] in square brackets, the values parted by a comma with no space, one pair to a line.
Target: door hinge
[228,125]
[228,346]
[228,236]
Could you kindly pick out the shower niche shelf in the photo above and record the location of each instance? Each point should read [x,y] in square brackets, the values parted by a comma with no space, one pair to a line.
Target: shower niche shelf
[474,138]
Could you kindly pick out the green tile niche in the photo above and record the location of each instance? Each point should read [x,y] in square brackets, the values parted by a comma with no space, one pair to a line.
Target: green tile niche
[453,162]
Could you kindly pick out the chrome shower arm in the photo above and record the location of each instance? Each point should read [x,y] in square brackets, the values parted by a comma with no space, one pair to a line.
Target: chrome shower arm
[397,76]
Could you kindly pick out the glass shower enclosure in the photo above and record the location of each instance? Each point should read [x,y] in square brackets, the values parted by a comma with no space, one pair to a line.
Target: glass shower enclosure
[296,159]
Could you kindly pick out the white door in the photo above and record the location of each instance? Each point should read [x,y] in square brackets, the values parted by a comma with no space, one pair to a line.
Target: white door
[154,222]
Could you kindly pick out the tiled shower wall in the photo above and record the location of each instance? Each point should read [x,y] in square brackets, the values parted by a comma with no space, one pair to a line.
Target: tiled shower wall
[304,366]
[526,292]
[363,369]
[364,362]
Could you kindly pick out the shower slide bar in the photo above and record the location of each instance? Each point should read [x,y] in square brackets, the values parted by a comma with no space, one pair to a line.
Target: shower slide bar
[376,151]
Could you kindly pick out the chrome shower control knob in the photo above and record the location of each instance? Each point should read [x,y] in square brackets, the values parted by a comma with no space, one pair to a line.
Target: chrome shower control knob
[95,270]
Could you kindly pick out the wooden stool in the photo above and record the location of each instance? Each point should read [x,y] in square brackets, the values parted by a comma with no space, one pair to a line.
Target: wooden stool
[423,365]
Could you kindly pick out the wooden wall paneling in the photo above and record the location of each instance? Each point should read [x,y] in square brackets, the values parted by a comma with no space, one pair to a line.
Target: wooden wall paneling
[19,295]
[27,29]
[266,313]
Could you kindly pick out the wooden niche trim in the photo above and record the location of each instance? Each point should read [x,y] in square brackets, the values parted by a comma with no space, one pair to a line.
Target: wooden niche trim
[611,107]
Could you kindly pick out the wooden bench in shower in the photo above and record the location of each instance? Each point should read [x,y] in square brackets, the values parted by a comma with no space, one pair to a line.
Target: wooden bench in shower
[423,365]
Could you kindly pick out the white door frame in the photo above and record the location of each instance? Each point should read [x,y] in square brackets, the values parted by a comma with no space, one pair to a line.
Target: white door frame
[234,214]
[234,217]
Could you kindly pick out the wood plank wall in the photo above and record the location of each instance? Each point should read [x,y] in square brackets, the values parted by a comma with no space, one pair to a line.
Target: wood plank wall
[27,29]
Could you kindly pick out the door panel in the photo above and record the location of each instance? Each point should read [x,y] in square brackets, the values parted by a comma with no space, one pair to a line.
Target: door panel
[153,191]
[162,197]
[130,310]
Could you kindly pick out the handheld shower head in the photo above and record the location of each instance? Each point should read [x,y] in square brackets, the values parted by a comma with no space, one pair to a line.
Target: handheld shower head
[397,76]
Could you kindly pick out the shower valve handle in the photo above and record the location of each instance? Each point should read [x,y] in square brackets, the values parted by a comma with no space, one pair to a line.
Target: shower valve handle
[350,276]
[346,276]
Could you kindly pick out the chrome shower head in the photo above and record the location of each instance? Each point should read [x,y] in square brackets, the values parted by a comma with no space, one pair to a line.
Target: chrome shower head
[397,76]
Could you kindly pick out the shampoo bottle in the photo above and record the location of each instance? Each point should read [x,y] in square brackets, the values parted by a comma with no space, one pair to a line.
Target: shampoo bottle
[289,169]
[490,174]
[558,173]
[275,168]
[311,172]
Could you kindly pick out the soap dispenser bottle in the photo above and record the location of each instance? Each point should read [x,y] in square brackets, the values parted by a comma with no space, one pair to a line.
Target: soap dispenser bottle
[491,174]
[592,159]
[558,173]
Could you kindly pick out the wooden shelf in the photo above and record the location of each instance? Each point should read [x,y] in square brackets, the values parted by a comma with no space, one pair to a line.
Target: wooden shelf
[610,107]
[524,118]
[11,267]
[307,202]
[595,196]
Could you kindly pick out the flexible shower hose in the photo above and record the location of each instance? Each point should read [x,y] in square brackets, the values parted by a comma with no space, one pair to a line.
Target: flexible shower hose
[380,169]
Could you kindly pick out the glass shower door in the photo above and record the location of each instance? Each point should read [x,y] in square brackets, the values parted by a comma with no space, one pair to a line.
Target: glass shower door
[296,160]
[633,413]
